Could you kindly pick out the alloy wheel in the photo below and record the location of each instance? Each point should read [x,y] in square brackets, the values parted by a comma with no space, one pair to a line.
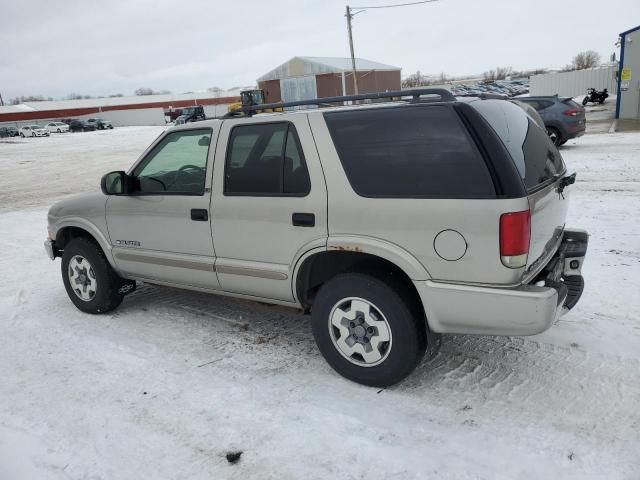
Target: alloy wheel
[360,331]
[82,278]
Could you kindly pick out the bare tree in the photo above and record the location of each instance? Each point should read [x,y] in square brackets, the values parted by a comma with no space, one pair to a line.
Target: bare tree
[144,91]
[216,90]
[500,73]
[489,76]
[586,59]
[28,98]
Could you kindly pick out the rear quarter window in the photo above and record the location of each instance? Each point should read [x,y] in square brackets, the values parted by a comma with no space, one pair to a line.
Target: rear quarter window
[409,152]
[536,158]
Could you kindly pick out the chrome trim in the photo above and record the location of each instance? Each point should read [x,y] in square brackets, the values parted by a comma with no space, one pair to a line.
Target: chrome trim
[251,272]
[165,262]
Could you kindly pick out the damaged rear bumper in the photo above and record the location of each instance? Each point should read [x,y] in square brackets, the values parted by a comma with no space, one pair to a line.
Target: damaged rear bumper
[525,310]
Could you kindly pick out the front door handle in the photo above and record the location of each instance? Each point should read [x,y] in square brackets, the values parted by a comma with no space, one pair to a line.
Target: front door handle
[303,220]
[199,214]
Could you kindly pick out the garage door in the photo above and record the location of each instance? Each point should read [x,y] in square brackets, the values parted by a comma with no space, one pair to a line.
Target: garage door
[298,88]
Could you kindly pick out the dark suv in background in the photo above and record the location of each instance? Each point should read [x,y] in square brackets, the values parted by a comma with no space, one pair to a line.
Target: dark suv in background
[563,118]
[8,131]
[100,123]
[81,126]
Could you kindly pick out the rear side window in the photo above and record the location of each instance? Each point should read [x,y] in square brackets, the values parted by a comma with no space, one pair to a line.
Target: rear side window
[536,158]
[409,152]
[265,160]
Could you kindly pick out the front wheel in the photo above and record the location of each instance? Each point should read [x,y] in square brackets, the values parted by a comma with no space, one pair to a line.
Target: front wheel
[91,283]
[367,330]
[585,100]
[22,135]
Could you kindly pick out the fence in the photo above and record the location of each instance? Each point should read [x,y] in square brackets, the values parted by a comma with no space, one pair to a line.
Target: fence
[572,84]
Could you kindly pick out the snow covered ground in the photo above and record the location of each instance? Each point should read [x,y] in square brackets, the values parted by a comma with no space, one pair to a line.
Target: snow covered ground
[170,382]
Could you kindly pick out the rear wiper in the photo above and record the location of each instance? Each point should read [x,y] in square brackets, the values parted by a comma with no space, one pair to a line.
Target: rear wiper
[565,182]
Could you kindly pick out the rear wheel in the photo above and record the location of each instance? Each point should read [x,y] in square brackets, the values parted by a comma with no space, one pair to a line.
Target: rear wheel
[554,135]
[91,283]
[367,330]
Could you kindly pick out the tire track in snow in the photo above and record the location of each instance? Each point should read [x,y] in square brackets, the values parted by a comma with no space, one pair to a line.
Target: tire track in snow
[512,379]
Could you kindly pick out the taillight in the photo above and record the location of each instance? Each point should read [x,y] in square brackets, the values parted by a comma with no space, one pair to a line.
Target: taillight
[515,234]
[571,112]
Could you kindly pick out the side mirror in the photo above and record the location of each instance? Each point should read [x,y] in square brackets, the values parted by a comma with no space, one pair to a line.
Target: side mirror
[116,183]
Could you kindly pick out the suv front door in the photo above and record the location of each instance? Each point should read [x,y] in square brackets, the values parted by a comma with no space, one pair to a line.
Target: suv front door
[269,204]
[162,231]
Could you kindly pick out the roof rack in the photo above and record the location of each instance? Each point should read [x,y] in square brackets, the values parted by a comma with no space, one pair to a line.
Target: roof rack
[415,94]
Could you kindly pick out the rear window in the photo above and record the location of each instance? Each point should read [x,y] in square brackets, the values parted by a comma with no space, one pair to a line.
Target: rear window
[409,152]
[535,156]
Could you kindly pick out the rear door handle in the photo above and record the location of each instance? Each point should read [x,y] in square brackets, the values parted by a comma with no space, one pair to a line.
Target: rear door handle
[199,214]
[303,220]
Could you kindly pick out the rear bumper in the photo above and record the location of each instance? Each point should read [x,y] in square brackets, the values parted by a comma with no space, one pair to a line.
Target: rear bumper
[524,310]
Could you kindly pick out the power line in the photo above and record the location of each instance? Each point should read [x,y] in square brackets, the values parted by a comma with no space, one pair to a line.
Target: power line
[350,14]
[395,5]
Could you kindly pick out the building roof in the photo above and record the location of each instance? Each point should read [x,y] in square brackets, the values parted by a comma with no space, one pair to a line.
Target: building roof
[630,30]
[113,101]
[299,66]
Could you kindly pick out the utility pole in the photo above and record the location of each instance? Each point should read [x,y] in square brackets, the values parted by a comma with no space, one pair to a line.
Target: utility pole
[349,14]
[353,58]
[1,101]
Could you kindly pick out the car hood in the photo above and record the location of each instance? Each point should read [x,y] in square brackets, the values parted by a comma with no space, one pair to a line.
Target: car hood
[84,205]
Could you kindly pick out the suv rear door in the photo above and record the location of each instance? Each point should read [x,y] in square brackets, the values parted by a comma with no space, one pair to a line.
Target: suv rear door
[269,203]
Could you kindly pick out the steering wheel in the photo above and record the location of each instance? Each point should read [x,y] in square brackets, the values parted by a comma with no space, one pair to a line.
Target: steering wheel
[183,171]
[164,187]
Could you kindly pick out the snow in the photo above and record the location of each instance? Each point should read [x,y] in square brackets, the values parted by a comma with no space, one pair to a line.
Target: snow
[170,382]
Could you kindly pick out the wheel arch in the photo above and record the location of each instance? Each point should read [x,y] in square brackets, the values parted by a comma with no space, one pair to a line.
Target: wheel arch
[320,265]
[73,229]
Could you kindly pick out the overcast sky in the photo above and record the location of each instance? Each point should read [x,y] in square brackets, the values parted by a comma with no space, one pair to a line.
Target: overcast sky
[53,48]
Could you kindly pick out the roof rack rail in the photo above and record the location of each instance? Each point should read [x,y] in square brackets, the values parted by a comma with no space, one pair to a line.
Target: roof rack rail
[415,94]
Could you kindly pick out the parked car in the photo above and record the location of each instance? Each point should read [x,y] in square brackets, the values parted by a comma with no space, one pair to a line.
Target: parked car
[8,131]
[57,127]
[390,224]
[81,126]
[33,131]
[100,123]
[563,118]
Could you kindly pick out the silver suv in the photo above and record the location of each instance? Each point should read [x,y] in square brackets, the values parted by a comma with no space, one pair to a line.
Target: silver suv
[390,223]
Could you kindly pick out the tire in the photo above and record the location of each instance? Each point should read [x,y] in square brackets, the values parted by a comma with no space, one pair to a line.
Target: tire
[555,136]
[585,100]
[33,134]
[379,307]
[97,273]
[22,134]
[59,131]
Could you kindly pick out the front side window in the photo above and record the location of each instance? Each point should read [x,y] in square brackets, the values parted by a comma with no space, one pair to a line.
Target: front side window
[176,165]
[265,160]
[409,152]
